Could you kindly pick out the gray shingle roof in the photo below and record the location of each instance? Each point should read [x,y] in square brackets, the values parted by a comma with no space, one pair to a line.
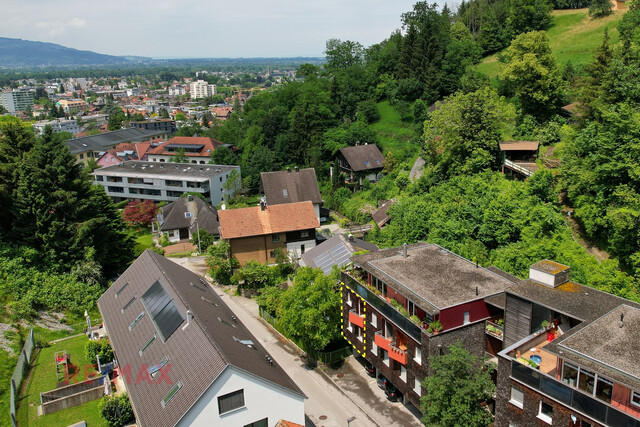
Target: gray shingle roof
[197,354]
[363,157]
[174,217]
[291,186]
[104,141]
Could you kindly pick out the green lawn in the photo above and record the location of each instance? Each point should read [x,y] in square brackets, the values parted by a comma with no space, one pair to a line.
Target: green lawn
[394,134]
[573,36]
[43,378]
[143,240]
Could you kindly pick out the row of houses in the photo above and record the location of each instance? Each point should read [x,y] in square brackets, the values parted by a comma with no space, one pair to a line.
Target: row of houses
[566,353]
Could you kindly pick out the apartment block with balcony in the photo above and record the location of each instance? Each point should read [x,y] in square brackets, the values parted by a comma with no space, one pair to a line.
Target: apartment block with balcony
[17,99]
[403,305]
[166,182]
[571,354]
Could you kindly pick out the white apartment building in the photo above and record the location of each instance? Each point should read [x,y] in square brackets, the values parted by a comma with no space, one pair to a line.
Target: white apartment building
[177,91]
[202,89]
[17,99]
[57,125]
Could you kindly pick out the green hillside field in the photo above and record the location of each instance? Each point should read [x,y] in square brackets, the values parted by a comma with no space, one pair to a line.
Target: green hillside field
[573,36]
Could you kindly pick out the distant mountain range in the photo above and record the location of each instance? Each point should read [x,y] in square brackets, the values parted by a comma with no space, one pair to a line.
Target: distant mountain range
[24,53]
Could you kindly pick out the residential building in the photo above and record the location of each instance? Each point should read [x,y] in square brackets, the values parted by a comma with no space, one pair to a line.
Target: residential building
[166,125]
[258,233]
[222,113]
[200,366]
[57,125]
[519,157]
[292,187]
[402,306]
[335,251]
[17,99]
[177,90]
[360,162]
[94,146]
[182,218]
[570,354]
[201,89]
[381,217]
[124,152]
[197,148]
[72,106]
[163,182]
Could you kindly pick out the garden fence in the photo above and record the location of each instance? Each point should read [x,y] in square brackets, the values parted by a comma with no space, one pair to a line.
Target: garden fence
[24,360]
[327,357]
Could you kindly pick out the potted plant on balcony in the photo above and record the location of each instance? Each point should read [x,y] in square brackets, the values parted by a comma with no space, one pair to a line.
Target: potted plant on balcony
[545,324]
[435,326]
[415,319]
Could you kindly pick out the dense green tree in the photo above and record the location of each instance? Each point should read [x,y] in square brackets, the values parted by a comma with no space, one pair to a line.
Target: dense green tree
[462,52]
[179,156]
[117,410]
[529,15]
[223,156]
[462,136]
[629,26]
[532,72]
[600,8]
[220,262]
[458,386]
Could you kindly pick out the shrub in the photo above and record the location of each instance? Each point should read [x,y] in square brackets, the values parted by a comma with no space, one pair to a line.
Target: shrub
[112,405]
[164,240]
[101,348]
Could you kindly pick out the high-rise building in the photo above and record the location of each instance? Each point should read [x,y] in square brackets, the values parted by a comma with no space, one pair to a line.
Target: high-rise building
[202,89]
[17,99]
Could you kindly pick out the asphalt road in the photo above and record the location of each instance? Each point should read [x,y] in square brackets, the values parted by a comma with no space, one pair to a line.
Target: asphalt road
[334,395]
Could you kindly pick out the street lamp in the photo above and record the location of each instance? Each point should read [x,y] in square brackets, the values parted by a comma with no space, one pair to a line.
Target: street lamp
[349,421]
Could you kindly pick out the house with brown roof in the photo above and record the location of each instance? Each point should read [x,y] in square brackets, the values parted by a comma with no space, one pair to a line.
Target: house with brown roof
[259,232]
[184,358]
[290,186]
[124,152]
[182,218]
[361,162]
[197,148]
[222,113]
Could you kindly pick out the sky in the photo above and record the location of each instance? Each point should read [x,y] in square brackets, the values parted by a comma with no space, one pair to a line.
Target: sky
[202,28]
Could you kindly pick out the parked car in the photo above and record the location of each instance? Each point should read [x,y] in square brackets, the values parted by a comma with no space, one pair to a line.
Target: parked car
[371,370]
[392,393]
[382,381]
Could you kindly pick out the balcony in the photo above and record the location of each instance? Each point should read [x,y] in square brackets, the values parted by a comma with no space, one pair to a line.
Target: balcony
[381,305]
[542,378]
[494,330]
[396,351]
[356,319]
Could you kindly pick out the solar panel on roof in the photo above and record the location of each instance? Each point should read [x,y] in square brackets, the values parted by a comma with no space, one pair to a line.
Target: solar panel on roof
[337,255]
[163,312]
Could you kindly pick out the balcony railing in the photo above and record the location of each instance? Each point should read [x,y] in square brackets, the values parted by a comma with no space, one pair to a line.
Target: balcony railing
[571,397]
[356,319]
[385,309]
[494,330]
[398,354]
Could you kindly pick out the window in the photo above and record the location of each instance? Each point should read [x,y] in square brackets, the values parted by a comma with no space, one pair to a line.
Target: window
[545,413]
[418,355]
[174,390]
[261,423]
[301,249]
[349,301]
[99,178]
[374,320]
[272,254]
[187,214]
[385,356]
[570,374]
[465,318]
[136,320]
[358,331]
[517,397]
[417,387]
[285,193]
[586,381]
[304,234]
[122,289]
[82,156]
[604,388]
[374,347]
[153,370]
[133,298]
[635,398]
[147,344]
[275,238]
[403,373]
[230,402]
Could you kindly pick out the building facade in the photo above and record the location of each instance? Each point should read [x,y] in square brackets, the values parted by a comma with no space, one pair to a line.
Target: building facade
[17,99]
[57,125]
[202,89]
[165,125]
[401,306]
[163,182]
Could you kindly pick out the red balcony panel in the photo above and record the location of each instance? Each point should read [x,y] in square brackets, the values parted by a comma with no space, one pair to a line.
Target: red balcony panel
[382,342]
[356,319]
[398,354]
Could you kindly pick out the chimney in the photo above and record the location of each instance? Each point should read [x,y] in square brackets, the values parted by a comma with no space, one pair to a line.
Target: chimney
[404,250]
[621,320]
[189,198]
[549,273]
[476,291]
[263,205]
[189,317]
[288,169]
[297,169]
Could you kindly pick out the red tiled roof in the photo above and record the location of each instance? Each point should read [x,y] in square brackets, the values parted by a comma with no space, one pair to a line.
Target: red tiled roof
[246,222]
[209,145]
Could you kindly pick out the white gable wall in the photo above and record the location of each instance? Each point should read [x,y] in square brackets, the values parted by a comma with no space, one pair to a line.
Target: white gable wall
[262,399]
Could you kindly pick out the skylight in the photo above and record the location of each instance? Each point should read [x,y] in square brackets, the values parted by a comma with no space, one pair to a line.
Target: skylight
[187,214]
[133,298]
[147,344]
[121,289]
[174,390]
[136,320]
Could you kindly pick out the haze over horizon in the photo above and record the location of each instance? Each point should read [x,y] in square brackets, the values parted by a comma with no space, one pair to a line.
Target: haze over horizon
[170,29]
